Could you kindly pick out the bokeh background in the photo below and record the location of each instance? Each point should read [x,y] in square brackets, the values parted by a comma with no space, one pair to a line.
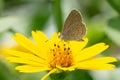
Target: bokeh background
[102,19]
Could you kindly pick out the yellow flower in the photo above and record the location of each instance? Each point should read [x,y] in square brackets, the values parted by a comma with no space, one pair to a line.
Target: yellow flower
[56,54]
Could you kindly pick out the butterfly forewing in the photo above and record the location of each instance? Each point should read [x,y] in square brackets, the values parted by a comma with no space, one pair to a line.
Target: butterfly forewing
[73,29]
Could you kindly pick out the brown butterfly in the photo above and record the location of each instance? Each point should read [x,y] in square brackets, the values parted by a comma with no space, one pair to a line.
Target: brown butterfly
[74,28]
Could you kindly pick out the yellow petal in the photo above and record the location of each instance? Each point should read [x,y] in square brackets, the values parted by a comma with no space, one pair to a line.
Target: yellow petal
[96,66]
[20,48]
[55,38]
[24,55]
[41,41]
[39,37]
[90,52]
[76,46]
[25,61]
[30,68]
[29,45]
[101,60]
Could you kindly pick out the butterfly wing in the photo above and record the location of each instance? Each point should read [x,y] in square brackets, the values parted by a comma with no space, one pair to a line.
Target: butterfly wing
[74,28]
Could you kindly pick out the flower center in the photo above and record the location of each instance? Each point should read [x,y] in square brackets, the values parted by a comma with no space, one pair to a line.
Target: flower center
[61,56]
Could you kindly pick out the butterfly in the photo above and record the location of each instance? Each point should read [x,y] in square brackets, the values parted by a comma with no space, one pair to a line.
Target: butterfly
[74,28]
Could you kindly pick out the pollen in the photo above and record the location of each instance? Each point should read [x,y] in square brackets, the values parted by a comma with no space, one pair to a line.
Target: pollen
[61,56]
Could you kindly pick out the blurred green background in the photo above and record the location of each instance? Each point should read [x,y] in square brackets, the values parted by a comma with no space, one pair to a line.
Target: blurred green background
[102,19]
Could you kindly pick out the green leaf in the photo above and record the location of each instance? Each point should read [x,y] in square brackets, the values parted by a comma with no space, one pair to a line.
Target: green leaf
[72,75]
[6,73]
[113,30]
[79,75]
[90,7]
[117,64]
[31,76]
[1,6]
[115,4]
[10,4]
[58,76]
[57,13]
[40,17]
[100,35]
[7,22]
[114,23]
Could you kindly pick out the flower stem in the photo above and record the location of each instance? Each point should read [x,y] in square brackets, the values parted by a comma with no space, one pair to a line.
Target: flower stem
[52,71]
